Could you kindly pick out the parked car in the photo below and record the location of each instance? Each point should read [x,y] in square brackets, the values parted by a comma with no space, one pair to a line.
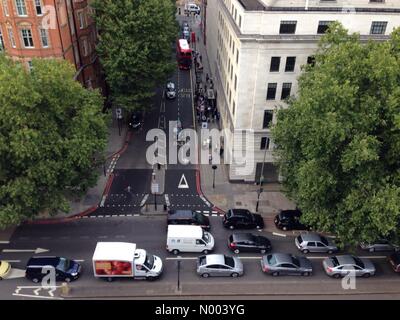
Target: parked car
[247,242]
[66,269]
[339,266]
[394,260]
[5,269]
[285,264]
[192,8]
[289,220]
[314,242]
[219,265]
[185,24]
[188,217]
[379,245]
[135,120]
[242,219]
[170,90]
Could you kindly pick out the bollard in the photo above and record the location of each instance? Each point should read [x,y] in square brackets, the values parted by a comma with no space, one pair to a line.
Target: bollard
[64,289]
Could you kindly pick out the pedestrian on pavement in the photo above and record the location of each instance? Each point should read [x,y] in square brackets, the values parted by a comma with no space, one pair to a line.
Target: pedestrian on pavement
[207,77]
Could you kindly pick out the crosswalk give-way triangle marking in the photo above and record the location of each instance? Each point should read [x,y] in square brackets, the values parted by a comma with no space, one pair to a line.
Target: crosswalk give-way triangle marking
[183,183]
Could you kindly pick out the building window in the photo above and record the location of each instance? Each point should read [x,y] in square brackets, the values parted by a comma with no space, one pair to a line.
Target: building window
[30,65]
[5,8]
[237,56]
[378,27]
[81,18]
[1,41]
[85,48]
[264,143]
[323,26]
[268,115]
[288,27]
[44,37]
[21,7]
[286,88]
[38,6]
[27,38]
[311,60]
[11,37]
[271,92]
[233,108]
[290,64]
[235,14]
[240,21]
[275,63]
[233,47]
[235,82]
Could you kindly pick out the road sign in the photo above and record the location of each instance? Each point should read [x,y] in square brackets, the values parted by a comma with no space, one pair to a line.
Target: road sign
[155,188]
[183,183]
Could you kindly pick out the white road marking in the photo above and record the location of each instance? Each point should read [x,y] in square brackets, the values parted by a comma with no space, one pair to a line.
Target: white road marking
[4,242]
[79,260]
[362,257]
[279,234]
[103,199]
[13,261]
[195,258]
[36,292]
[39,297]
[129,215]
[36,251]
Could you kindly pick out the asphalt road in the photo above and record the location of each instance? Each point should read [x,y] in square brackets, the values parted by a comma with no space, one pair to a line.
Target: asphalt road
[77,240]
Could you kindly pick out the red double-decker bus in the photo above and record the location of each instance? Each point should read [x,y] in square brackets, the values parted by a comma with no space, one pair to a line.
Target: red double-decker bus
[183,54]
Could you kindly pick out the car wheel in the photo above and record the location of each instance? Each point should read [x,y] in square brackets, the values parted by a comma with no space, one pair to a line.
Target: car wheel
[275,274]
[35,280]
[305,251]
[305,274]
[205,275]
[205,251]
[231,227]
[175,251]
[236,251]
[336,276]
[67,279]
[366,275]
[1,278]
[234,275]
[371,249]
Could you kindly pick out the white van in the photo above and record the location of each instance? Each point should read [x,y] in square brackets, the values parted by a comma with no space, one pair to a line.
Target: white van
[192,8]
[184,238]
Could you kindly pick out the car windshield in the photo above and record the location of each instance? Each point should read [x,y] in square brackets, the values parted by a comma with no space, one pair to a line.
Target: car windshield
[271,259]
[64,264]
[149,262]
[229,261]
[199,217]
[324,241]
[202,260]
[359,262]
[295,261]
[206,237]
[335,261]
[300,239]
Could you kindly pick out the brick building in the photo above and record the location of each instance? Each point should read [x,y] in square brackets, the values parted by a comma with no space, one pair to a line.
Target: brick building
[52,29]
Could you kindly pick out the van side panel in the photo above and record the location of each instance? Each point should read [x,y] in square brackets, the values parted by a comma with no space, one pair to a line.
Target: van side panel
[112,268]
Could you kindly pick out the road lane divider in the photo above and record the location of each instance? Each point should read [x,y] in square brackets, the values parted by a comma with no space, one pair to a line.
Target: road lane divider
[279,234]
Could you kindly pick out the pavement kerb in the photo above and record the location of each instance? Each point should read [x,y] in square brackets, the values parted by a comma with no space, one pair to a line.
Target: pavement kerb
[88,211]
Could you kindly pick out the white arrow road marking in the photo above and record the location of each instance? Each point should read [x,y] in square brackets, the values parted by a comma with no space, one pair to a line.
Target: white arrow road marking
[51,292]
[36,292]
[183,184]
[38,250]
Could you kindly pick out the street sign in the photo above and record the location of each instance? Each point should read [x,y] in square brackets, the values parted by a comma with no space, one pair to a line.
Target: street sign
[155,188]
[183,183]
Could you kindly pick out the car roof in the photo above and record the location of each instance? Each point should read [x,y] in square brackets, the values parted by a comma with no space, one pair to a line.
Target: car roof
[240,212]
[43,261]
[311,237]
[290,213]
[282,258]
[215,259]
[242,236]
[346,259]
[180,214]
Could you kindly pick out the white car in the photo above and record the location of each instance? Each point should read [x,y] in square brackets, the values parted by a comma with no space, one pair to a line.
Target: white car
[170,90]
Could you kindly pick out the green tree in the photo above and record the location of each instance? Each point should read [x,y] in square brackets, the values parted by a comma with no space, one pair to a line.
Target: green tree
[135,47]
[50,129]
[338,142]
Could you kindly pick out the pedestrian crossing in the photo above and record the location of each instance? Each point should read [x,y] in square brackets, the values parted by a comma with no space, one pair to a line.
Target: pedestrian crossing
[207,213]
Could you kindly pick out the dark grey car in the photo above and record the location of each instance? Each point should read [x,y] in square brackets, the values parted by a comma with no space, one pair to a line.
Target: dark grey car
[379,245]
[219,265]
[286,264]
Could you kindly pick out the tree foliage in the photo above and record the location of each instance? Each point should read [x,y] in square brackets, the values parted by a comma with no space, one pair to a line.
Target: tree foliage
[338,142]
[50,129]
[135,47]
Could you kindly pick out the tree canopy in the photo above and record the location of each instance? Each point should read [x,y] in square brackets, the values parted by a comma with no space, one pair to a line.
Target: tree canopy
[135,47]
[338,142]
[50,130]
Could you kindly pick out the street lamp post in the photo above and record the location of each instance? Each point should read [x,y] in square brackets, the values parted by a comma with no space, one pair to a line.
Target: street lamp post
[261,181]
[179,274]
[214,167]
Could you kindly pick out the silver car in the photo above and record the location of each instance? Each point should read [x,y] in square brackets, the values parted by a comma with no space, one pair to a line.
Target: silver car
[314,242]
[219,265]
[379,245]
[340,266]
[283,263]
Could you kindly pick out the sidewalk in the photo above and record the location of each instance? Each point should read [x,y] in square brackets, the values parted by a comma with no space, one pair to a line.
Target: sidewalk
[116,140]
[228,195]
